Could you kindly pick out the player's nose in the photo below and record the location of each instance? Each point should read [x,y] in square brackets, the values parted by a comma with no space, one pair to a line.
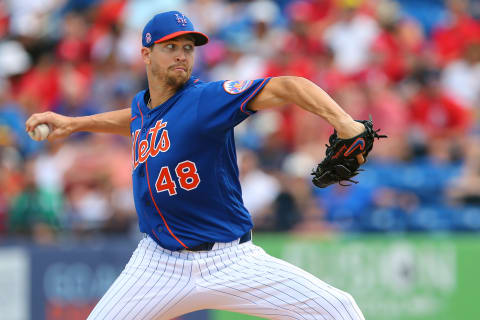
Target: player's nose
[181,56]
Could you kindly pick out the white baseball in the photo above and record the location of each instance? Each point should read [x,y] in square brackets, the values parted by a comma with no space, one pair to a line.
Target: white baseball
[40,132]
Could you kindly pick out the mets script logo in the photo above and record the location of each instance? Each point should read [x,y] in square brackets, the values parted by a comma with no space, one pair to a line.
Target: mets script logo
[236,87]
[148,37]
[158,142]
[181,19]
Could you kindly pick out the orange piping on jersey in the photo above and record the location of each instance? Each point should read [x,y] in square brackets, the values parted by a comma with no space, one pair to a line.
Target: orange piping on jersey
[138,106]
[151,194]
[250,96]
[133,118]
[158,210]
[155,234]
[196,80]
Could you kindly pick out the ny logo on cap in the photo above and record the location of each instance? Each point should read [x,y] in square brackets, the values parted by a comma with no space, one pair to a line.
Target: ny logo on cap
[181,20]
[148,37]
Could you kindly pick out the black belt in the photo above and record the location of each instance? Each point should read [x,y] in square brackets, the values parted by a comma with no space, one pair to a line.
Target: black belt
[207,246]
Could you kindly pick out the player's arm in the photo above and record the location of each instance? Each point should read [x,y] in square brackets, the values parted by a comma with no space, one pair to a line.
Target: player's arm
[117,122]
[280,91]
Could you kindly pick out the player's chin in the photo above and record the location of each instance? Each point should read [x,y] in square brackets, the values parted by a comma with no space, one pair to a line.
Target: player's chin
[178,78]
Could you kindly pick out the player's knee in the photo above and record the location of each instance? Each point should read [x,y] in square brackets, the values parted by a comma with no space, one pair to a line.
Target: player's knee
[348,302]
[348,298]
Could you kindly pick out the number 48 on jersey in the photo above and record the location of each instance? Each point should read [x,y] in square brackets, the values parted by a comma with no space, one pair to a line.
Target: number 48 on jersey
[187,176]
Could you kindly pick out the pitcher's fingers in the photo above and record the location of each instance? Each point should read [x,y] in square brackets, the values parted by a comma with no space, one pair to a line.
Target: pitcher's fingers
[35,119]
[32,122]
[360,158]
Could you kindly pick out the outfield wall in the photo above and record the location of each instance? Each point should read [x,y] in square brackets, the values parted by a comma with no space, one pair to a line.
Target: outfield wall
[391,277]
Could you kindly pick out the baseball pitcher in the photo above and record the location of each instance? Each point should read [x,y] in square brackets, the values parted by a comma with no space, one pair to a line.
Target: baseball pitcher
[197,251]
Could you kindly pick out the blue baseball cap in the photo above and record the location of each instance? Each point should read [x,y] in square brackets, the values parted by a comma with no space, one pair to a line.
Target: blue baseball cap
[168,25]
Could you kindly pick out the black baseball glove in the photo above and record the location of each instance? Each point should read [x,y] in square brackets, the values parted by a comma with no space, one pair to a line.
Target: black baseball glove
[340,163]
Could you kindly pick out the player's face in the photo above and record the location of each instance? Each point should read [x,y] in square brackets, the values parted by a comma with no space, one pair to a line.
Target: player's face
[171,61]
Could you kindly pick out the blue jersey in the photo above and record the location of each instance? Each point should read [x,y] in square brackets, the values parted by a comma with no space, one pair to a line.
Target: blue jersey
[185,174]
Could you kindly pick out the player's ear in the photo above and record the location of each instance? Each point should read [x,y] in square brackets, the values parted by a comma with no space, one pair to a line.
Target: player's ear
[146,52]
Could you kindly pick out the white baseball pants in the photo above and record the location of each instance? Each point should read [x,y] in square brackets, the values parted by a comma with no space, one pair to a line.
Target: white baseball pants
[162,284]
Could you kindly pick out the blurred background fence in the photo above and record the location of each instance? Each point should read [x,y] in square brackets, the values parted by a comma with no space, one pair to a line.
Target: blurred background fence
[395,277]
[413,65]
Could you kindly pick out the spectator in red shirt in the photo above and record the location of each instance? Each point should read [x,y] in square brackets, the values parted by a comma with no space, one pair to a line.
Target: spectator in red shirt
[436,112]
[40,85]
[460,29]
[3,19]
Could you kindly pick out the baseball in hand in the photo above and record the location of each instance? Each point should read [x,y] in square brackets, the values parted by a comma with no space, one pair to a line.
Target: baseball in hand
[40,132]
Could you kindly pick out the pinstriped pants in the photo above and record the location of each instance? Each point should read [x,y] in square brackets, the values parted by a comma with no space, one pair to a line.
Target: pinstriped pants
[162,284]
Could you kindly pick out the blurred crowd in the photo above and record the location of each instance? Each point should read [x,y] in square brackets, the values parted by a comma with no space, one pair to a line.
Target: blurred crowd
[413,66]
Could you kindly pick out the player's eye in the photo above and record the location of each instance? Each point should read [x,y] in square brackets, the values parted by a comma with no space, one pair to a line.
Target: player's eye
[170,46]
[189,47]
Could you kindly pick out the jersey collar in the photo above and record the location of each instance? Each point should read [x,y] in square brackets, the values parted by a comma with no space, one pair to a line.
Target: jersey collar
[187,84]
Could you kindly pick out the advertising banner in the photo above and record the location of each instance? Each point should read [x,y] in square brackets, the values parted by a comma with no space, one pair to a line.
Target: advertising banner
[14,284]
[66,281]
[429,277]
[424,277]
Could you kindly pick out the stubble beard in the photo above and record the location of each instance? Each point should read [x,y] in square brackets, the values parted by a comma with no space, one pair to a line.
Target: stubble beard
[171,78]
[177,80]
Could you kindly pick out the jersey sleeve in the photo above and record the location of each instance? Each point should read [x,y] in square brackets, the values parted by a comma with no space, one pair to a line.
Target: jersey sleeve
[223,104]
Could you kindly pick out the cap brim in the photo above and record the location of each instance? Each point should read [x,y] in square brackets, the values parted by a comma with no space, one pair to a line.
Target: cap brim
[200,38]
